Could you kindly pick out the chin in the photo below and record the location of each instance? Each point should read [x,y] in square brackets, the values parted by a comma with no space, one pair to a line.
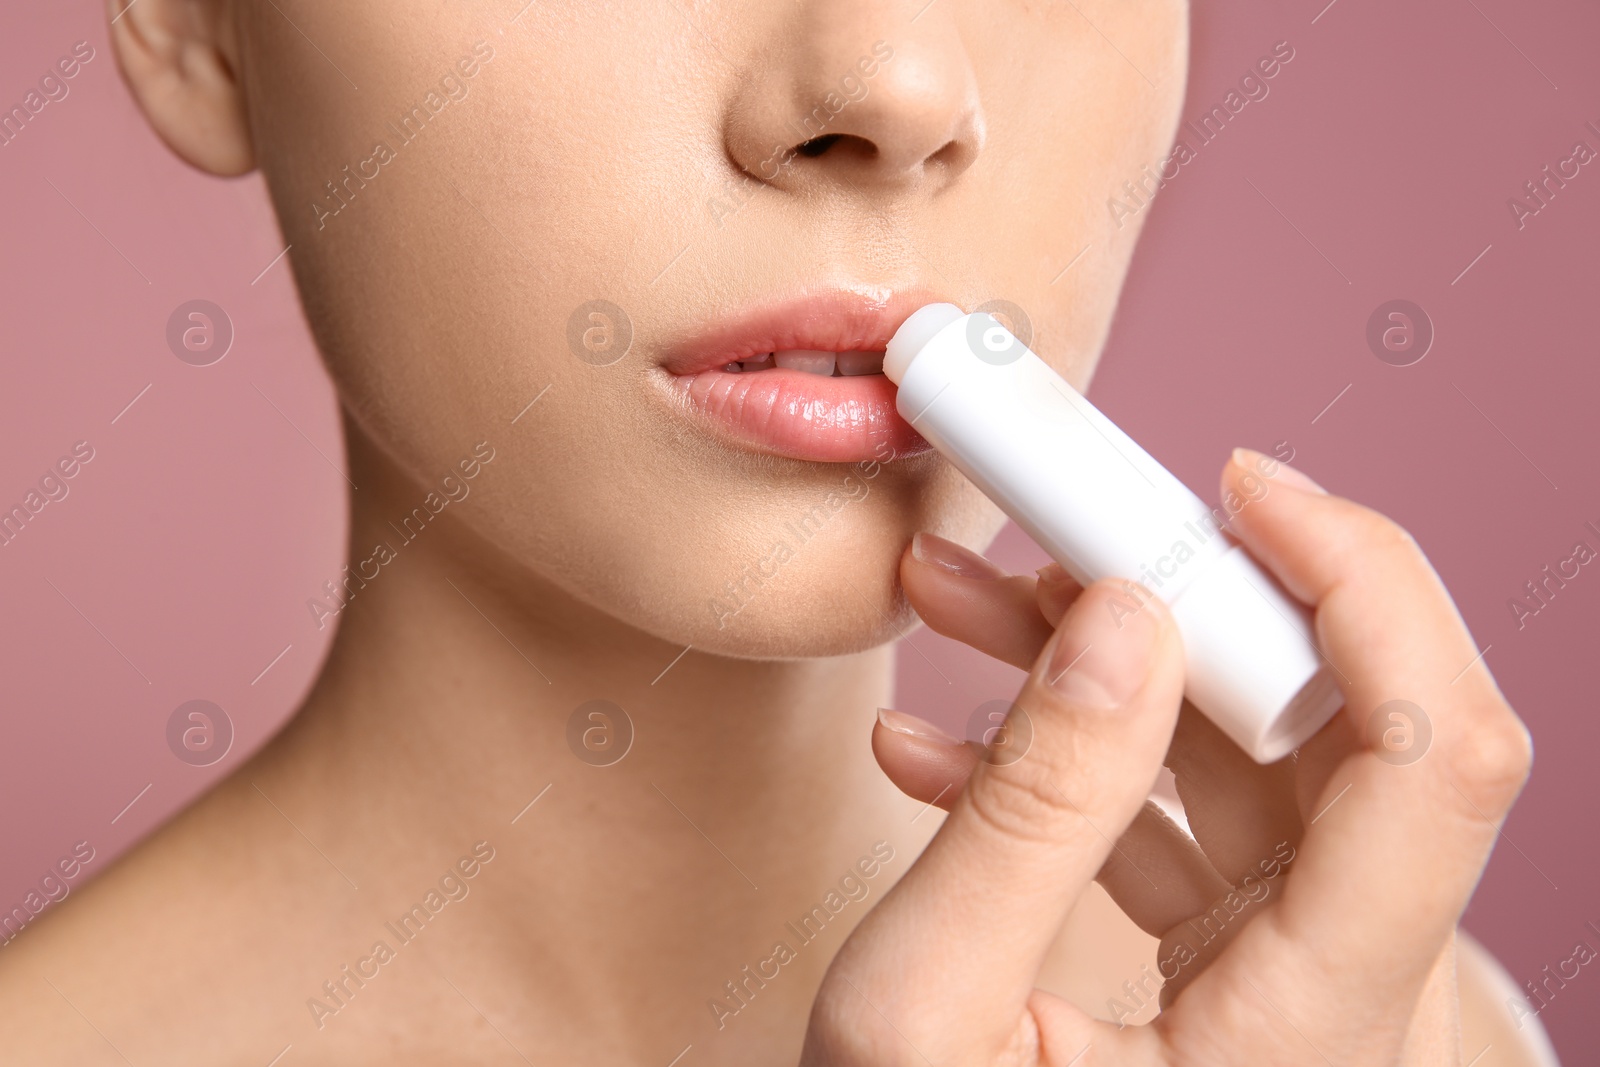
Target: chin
[832,621]
[835,592]
[794,599]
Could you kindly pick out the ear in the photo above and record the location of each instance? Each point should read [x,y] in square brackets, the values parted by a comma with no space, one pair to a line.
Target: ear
[180,58]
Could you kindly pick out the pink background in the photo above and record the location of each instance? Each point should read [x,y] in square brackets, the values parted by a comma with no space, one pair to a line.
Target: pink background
[1378,168]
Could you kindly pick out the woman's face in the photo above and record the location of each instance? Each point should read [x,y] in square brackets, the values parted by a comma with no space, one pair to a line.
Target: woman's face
[512,199]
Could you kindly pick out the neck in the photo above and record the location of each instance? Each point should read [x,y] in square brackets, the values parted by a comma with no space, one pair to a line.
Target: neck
[647,849]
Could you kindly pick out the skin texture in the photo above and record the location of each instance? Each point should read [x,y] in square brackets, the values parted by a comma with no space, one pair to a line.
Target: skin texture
[595,153]
[573,171]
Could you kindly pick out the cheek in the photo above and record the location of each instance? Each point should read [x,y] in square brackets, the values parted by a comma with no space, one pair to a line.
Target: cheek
[1064,137]
[440,290]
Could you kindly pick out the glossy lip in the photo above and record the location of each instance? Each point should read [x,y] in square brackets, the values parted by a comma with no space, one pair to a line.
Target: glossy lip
[791,413]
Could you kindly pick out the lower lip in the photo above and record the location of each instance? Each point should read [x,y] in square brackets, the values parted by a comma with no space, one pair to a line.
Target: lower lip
[803,416]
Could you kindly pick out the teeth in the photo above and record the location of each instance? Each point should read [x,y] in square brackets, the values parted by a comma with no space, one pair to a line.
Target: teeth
[854,363]
[806,360]
[814,361]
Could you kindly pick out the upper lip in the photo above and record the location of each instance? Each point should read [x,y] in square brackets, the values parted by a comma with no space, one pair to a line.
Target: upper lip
[823,320]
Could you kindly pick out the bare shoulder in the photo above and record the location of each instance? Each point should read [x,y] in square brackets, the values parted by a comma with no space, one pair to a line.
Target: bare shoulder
[158,959]
[1494,1021]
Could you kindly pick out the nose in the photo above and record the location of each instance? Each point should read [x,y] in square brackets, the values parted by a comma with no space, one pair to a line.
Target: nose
[855,92]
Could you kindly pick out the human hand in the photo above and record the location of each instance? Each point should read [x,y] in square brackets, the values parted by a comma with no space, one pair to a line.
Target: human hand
[1351,866]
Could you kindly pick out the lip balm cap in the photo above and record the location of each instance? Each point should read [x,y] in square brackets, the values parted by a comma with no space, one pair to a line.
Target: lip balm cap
[918,329]
[1252,667]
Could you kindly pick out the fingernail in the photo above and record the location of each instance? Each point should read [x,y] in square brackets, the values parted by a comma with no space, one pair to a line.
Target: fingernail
[1277,470]
[1053,574]
[953,558]
[1104,649]
[1056,591]
[901,723]
[1287,475]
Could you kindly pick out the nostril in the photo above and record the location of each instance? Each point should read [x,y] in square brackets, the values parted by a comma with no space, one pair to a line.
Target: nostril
[817,145]
[950,156]
[839,143]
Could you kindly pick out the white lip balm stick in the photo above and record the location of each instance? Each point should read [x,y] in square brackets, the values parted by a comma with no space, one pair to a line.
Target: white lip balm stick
[1103,508]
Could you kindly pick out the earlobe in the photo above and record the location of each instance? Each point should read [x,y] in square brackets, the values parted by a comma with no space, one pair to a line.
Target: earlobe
[176,56]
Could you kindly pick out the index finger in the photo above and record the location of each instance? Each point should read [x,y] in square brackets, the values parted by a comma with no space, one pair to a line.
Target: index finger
[973,919]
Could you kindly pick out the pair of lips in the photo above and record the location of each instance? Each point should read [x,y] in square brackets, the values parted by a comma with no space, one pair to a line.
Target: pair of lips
[814,361]
[817,393]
